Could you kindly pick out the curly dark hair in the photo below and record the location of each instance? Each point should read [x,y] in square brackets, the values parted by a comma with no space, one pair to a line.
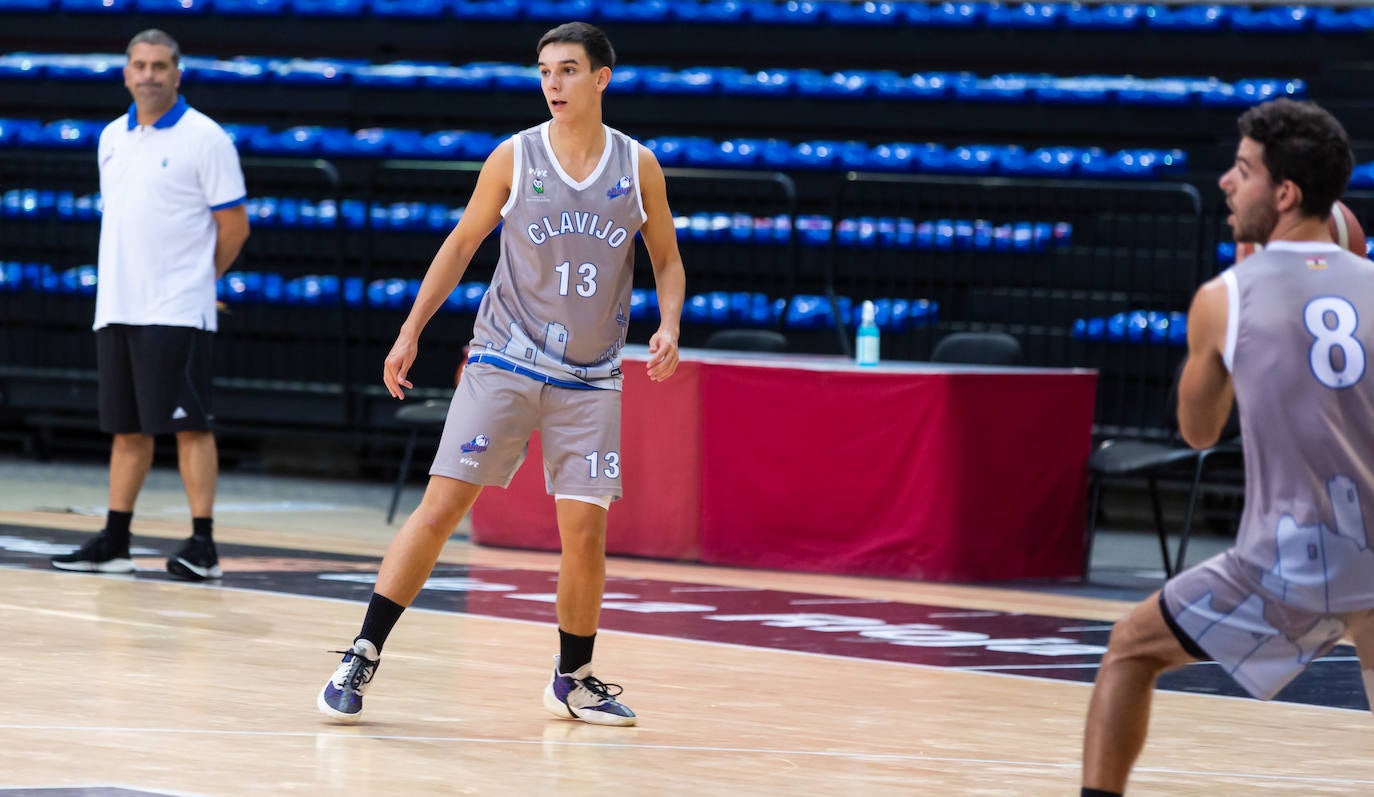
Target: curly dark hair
[1303,143]
[593,40]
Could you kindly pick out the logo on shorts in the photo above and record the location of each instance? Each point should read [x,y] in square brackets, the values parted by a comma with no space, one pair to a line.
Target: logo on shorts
[179,413]
[476,445]
[621,188]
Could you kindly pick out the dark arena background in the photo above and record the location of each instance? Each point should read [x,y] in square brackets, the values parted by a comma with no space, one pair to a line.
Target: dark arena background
[824,579]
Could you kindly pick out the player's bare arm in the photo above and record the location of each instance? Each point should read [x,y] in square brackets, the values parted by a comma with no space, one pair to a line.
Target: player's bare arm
[231,231]
[670,279]
[1205,391]
[480,217]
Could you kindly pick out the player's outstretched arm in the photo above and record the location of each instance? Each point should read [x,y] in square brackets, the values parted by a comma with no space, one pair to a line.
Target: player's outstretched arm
[670,279]
[1205,391]
[479,219]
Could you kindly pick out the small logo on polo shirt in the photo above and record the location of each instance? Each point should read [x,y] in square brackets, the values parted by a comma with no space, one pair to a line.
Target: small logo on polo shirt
[179,413]
[164,163]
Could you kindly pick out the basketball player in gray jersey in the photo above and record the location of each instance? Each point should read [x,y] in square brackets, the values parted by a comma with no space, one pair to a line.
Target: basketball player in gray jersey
[1287,334]
[545,355]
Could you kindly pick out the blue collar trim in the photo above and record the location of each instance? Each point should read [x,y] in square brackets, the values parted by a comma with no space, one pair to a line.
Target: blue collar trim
[168,119]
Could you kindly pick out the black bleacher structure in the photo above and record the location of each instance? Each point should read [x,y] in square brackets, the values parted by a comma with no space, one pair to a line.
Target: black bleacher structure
[306,367]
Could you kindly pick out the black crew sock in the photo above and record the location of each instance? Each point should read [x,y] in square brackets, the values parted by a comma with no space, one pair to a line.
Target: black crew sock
[1087,792]
[574,651]
[381,617]
[203,527]
[117,527]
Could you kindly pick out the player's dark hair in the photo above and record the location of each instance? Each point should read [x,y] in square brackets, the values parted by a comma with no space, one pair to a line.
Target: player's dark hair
[593,40]
[1305,144]
[155,36]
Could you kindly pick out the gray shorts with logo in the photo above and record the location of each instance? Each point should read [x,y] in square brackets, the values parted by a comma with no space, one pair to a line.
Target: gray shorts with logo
[495,411]
[1260,641]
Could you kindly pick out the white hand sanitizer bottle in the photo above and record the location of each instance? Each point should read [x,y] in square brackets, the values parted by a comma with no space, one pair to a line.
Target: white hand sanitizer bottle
[866,345]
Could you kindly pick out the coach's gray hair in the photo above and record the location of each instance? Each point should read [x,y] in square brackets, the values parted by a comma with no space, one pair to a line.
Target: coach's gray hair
[155,36]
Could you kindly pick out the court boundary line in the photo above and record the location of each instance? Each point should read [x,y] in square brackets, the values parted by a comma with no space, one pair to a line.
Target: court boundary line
[909,757]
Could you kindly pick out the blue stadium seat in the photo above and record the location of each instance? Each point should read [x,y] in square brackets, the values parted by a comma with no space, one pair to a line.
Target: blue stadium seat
[64,134]
[399,75]
[927,86]
[813,230]
[895,157]
[497,10]
[956,15]
[24,5]
[998,88]
[1193,19]
[458,78]
[311,71]
[95,6]
[633,10]
[765,82]
[559,10]
[843,12]
[1281,19]
[1353,21]
[16,132]
[1024,15]
[410,9]
[815,312]
[256,8]
[294,142]
[711,12]
[643,304]
[329,8]
[1076,91]
[699,80]
[245,136]
[83,67]
[1110,16]
[1256,91]
[210,70]
[817,155]
[1161,91]
[1362,177]
[627,79]
[514,78]
[183,7]
[21,66]
[812,83]
[789,12]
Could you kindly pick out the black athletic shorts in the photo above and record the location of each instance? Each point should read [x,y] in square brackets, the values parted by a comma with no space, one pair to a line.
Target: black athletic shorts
[154,379]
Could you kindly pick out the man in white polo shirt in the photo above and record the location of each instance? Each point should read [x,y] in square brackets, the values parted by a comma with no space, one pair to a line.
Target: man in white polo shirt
[174,220]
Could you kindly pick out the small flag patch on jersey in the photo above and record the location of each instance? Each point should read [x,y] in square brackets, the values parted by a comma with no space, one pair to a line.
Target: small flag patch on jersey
[1316,262]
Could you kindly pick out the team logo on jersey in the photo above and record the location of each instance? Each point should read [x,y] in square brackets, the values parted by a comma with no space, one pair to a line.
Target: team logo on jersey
[1316,262]
[621,188]
[538,185]
[620,318]
[476,445]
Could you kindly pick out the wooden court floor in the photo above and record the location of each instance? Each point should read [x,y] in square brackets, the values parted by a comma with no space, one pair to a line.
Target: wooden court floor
[170,688]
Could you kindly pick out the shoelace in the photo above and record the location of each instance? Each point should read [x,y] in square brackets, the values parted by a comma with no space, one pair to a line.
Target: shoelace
[600,688]
[360,670]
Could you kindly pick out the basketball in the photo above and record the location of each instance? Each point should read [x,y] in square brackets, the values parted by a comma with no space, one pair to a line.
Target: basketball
[1345,230]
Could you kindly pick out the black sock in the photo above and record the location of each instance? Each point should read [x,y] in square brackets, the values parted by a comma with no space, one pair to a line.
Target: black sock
[381,617]
[574,651]
[203,527]
[117,526]
[1087,792]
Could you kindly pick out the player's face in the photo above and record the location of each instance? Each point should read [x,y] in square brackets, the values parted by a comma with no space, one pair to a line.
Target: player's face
[1251,195]
[151,76]
[570,85]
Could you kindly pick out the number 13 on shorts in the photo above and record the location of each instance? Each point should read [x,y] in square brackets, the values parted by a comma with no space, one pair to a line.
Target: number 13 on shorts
[607,464]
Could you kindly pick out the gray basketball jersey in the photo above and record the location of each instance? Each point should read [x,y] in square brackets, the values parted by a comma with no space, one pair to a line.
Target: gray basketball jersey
[559,302]
[1300,347]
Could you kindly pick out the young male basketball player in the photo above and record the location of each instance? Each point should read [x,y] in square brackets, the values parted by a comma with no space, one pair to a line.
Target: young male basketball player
[545,355]
[1288,333]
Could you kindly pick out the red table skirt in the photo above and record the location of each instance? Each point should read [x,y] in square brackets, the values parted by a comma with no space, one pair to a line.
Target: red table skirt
[954,474]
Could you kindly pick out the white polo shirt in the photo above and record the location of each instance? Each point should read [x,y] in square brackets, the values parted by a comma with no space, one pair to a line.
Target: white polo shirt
[160,184]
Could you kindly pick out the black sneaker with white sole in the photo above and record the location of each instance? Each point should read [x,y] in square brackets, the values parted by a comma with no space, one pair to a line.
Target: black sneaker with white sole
[99,555]
[196,561]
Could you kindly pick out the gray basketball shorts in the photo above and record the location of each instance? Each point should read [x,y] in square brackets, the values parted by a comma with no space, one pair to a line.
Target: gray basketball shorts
[1261,642]
[493,414]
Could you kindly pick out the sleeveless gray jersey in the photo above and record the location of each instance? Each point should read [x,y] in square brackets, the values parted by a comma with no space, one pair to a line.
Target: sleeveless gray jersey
[1300,347]
[559,302]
